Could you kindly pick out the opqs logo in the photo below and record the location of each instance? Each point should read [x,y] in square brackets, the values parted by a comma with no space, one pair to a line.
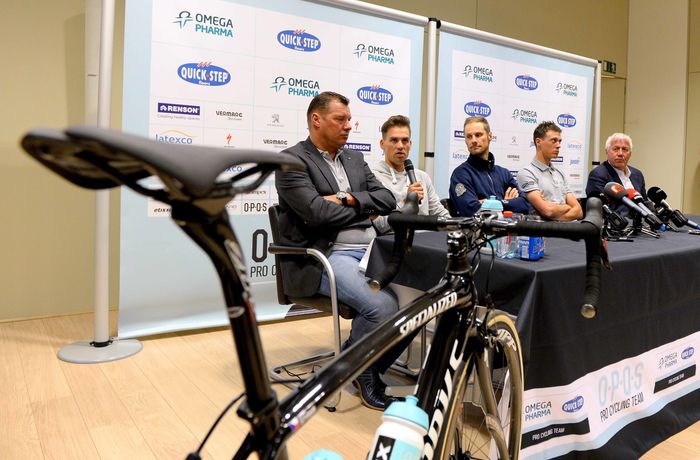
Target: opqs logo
[205,23]
[299,40]
[204,73]
[477,108]
[566,120]
[375,95]
[526,82]
[687,353]
[374,53]
[573,405]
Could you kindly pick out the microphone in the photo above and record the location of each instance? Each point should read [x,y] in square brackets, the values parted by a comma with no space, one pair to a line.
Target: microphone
[614,219]
[658,197]
[410,170]
[618,193]
[651,218]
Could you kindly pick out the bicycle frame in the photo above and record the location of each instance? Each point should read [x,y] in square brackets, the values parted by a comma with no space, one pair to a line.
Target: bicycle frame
[272,422]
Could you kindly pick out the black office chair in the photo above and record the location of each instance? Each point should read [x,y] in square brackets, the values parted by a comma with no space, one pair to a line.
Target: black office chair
[450,206]
[318,303]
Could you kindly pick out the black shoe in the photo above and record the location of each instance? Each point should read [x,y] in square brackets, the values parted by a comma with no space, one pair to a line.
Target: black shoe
[371,390]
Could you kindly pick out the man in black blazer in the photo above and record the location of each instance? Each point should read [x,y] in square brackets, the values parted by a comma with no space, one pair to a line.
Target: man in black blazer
[330,207]
[618,148]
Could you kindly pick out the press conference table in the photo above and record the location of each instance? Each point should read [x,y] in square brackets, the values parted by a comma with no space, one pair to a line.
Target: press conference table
[608,387]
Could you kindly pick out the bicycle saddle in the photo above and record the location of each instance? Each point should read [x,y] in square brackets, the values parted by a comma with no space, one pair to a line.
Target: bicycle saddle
[99,158]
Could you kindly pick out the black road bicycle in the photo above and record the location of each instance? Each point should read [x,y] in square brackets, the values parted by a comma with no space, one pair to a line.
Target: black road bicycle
[473,390]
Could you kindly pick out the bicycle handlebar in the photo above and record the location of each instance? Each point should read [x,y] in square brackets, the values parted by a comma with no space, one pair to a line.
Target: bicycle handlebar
[589,229]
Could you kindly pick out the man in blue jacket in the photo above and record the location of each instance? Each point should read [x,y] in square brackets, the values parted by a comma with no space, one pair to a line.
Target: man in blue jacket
[618,148]
[477,178]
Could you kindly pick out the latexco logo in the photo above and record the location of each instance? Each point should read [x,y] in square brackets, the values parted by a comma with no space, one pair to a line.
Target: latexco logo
[525,116]
[566,120]
[567,89]
[478,73]
[526,82]
[477,108]
[299,40]
[180,109]
[205,23]
[204,73]
[296,86]
[375,95]
[173,136]
[374,53]
[574,145]
[573,405]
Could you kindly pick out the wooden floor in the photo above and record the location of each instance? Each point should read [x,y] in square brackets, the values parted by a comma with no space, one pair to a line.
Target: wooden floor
[159,403]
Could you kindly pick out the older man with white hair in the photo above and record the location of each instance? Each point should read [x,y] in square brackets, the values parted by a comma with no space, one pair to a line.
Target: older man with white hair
[618,148]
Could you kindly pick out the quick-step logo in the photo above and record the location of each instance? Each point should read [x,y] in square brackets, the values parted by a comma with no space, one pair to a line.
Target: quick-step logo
[477,108]
[566,120]
[204,74]
[375,95]
[299,40]
[526,82]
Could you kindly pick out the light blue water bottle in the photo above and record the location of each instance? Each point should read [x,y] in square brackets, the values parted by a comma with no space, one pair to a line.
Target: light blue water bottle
[400,436]
[492,205]
[323,454]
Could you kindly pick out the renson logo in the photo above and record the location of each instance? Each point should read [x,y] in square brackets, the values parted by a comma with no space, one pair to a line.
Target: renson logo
[477,108]
[359,147]
[205,23]
[573,405]
[204,73]
[375,95]
[526,82]
[180,109]
[478,73]
[299,40]
[374,53]
[566,120]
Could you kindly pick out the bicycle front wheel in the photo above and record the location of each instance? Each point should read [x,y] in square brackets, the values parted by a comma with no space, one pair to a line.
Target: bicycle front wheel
[484,417]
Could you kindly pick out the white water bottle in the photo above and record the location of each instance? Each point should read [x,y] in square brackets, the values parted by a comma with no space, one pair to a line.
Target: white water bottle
[400,436]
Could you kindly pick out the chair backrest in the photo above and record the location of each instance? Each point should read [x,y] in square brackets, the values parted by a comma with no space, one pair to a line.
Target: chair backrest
[273,213]
[450,206]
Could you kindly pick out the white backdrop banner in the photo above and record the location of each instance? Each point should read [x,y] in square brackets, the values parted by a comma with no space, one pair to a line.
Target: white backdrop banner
[240,74]
[514,90]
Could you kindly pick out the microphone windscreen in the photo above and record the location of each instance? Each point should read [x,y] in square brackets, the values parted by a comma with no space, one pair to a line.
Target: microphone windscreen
[614,190]
[408,165]
[656,195]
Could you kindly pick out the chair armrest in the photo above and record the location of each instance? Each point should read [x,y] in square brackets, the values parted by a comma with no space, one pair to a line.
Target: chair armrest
[287,250]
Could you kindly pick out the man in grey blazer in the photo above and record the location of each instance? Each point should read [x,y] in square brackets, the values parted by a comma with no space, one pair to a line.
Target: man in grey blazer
[330,207]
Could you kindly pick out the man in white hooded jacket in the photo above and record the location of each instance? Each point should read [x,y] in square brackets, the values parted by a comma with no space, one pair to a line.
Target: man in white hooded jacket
[396,144]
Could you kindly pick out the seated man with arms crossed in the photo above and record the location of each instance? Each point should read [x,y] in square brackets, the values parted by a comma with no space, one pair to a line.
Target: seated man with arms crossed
[544,185]
[618,149]
[330,207]
[396,144]
[479,177]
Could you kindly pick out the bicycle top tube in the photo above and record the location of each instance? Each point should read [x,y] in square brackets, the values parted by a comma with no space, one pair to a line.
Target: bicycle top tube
[99,158]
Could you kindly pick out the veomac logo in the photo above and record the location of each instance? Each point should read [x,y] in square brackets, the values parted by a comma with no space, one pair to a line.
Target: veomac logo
[359,147]
[204,73]
[229,114]
[567,89]
[299,40]
[375,95]
[478,73]
[275,142]
[687,353]
[566,120]
[205,23]
[296,86]
[374,53]
[525,116]
[173,136]
[180,109]
[526,82]
[573,405]
[477,108]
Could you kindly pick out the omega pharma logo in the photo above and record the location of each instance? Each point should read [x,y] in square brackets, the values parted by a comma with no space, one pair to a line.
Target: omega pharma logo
[296,86]
[478,73]
[205,23]
[374,53]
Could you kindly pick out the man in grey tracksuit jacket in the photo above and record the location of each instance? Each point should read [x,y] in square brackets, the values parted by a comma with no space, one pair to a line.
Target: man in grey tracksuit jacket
[396,144]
